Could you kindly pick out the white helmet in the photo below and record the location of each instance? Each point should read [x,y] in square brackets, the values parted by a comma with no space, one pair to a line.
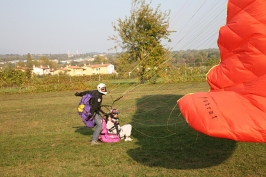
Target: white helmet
[102,88]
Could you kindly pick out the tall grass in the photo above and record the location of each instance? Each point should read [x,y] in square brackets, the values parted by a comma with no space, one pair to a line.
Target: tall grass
[41,134]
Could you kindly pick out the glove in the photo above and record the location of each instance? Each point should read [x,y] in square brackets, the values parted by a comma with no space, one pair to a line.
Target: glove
[76,94]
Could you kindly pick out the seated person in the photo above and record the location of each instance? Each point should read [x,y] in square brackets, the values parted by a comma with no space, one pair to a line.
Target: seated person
[113,126]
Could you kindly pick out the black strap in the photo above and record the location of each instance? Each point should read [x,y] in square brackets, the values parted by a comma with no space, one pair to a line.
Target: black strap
[114,127]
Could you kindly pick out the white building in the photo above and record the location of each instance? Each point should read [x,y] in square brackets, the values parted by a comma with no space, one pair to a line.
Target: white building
[41,70]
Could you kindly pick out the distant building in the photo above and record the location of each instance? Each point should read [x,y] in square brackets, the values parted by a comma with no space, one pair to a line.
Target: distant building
[87,70]
[55,60]
[99,69]
[75,70]
[69,55]
[41,70]
[62,71]
[24,69]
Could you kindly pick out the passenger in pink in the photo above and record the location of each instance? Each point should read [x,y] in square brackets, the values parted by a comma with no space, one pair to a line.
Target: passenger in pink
[113,126]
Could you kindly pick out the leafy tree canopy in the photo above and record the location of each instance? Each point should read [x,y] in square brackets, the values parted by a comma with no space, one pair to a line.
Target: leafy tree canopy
[140,36]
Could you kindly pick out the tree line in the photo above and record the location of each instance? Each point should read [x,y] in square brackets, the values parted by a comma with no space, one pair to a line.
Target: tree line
[205,57]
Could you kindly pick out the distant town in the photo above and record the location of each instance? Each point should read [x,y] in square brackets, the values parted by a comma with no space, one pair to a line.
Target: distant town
[97,63]
[71,64]
[58,58]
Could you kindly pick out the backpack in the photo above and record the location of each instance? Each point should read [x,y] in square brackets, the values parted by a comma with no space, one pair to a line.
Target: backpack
[84,108]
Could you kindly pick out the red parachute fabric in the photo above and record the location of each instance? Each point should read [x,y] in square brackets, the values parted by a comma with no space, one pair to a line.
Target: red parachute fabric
[235,106]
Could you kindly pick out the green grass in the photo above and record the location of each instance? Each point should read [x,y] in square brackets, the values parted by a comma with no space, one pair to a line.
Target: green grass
[41,134]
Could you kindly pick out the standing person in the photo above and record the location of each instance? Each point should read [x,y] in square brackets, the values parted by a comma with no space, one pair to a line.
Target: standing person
[113,126]
[95,102]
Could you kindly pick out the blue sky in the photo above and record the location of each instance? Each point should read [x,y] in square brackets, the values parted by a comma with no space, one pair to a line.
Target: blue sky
[59,26]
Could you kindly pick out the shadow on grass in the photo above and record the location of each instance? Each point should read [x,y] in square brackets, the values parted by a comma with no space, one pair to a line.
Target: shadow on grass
[83,130]
[175,145]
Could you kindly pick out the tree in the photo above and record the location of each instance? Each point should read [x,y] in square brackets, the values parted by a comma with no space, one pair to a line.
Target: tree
[140,36]
[47,62]
[124,66]
[29,61]
[100,59]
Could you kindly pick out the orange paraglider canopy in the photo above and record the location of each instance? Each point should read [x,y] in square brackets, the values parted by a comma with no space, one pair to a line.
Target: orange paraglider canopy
[235,106]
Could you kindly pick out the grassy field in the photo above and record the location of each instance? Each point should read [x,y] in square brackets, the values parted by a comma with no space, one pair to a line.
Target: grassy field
[42,135]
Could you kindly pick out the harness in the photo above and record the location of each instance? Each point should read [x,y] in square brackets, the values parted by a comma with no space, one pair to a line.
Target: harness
[115,127]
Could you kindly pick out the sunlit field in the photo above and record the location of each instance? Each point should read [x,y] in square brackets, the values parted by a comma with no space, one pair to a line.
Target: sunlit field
[41,134]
